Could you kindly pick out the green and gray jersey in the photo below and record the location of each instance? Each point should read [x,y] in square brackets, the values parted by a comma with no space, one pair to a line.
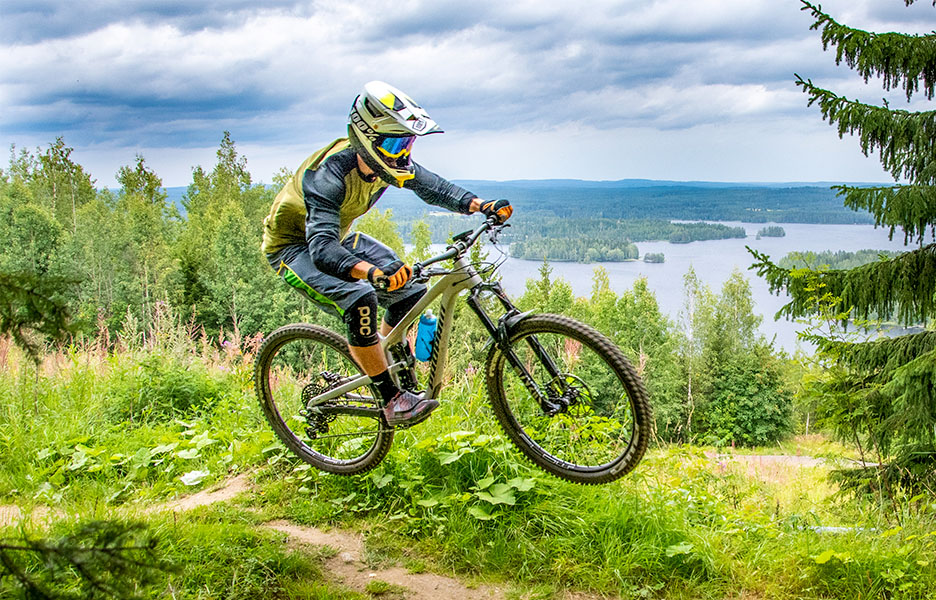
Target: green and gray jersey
[327,193]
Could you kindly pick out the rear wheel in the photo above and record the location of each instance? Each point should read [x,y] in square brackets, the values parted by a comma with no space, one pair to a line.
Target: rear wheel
[569,399]
[346,434]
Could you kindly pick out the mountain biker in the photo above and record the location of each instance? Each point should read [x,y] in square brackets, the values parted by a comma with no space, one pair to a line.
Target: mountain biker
[307,238]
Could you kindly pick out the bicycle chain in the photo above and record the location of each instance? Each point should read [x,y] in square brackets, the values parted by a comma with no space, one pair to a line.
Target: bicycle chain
[316,419]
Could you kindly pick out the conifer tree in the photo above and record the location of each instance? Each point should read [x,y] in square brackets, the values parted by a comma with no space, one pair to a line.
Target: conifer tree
[887,397]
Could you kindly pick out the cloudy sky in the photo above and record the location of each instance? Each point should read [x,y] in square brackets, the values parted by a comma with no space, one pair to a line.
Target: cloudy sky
[600,89]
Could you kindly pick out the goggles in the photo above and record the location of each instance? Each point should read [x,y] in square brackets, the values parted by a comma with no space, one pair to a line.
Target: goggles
[395,147]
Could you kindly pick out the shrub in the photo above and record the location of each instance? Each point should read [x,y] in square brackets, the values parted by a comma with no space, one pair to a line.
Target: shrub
[749,404]
[160,386]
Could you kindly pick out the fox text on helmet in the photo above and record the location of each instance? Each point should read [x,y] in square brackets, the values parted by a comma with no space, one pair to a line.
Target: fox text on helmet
[382,111]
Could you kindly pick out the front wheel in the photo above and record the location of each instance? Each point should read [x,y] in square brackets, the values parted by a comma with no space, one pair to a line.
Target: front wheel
[569,399]
[344,435]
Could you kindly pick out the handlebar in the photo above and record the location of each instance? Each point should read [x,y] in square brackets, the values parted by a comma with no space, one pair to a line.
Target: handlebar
[460,244]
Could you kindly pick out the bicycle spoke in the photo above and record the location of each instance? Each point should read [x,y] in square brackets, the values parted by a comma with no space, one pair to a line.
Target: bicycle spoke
[342,435]
[585,428]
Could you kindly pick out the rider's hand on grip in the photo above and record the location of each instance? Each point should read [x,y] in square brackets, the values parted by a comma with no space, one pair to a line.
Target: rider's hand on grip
[390,277]
[497,208]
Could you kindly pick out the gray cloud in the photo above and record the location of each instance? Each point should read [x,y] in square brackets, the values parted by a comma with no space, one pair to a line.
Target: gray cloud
[31,21]
[175,73]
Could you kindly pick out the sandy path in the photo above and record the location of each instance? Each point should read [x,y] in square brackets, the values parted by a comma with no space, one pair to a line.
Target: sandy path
[220,493]
[347,568]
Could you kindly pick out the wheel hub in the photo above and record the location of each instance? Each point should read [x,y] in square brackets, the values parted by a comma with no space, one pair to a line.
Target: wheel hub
[571,387]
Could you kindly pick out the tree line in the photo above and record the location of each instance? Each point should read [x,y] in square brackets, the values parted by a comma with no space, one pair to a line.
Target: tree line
[115,260]
[771,231]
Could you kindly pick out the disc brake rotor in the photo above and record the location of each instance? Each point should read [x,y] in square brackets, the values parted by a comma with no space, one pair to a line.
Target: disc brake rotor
[565,391]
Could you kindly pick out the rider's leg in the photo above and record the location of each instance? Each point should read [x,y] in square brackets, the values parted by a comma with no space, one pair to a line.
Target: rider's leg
[398,306]
[396,310]
[364,343]
[400,406]
[338,297]
[398,302]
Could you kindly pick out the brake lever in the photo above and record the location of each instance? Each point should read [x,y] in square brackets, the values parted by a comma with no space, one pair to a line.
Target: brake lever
[495,231]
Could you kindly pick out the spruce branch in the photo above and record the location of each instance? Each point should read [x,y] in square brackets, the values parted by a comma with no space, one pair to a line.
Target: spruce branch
[907,61]
[903,139]
[882,355]
[101,559]
[881,394]
[912,208]
[903,287]
[30,304]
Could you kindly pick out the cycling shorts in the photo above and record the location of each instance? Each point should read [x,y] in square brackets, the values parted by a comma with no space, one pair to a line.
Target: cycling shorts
[333,295]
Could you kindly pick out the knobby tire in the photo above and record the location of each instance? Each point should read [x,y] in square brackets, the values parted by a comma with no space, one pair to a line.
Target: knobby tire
[290,362]
[610,400]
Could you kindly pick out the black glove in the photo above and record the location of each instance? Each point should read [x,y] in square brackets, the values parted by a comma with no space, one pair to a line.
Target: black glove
[390,277]
[497,208]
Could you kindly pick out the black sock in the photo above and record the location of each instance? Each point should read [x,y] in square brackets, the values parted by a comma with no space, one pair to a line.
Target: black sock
[385,385]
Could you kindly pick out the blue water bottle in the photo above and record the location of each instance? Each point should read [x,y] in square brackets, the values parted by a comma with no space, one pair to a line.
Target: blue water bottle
[424,335]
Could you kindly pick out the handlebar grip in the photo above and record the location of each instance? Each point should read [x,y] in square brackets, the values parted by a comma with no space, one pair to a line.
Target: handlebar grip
[382,283]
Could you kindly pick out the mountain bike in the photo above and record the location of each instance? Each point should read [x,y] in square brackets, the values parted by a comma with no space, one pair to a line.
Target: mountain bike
[564,394]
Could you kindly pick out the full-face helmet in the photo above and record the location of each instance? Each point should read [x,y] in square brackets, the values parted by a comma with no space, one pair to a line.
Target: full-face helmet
[382,126]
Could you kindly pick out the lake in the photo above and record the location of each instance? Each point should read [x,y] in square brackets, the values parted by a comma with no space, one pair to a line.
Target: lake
[713,262]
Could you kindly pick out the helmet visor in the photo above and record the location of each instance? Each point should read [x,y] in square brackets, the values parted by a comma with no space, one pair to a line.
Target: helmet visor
[395,147]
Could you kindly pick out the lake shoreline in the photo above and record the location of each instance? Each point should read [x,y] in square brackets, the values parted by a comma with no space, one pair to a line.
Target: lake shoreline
[713,262]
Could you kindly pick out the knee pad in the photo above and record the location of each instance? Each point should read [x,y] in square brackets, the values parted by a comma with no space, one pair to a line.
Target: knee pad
[398,310]
[362,321]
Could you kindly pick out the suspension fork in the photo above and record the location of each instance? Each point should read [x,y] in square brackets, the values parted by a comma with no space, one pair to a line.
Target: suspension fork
[500,336]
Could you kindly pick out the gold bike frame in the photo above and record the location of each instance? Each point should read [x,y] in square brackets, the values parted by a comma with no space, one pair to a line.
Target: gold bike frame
[462,277]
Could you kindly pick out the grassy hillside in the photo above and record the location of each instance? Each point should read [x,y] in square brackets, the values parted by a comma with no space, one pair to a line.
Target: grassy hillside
[97,434]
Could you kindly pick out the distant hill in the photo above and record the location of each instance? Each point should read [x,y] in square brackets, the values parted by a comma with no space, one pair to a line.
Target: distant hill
[782,202]
[645,183]
[650,199]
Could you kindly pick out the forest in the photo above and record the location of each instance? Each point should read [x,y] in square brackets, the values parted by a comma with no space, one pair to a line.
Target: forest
[833,260]
[540,235]
[771,231]
[640,199]
[580,221]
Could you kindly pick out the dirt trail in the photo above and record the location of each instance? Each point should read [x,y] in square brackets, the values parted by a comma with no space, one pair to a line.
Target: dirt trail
[348,568]
[225,491]
[11,514]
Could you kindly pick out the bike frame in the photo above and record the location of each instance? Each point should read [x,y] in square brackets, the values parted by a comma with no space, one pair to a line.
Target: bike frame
[461,277]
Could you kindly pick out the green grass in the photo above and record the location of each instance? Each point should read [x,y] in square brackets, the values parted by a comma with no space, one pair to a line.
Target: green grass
[200,557]
[452,496]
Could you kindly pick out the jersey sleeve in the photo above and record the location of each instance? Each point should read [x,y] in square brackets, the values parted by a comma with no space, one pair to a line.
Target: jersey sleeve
[437,191]
[324,191]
